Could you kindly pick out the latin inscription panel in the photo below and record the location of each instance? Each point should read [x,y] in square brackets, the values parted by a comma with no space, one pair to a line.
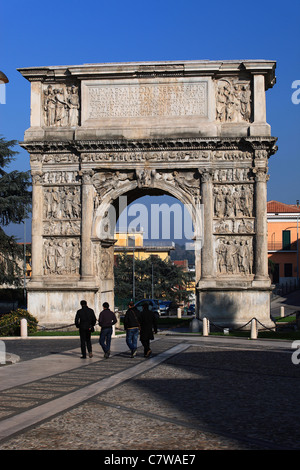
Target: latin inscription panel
[140,99]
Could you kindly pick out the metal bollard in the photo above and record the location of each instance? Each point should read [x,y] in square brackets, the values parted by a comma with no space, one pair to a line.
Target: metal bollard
[178,312]
[205,327]
[23,328]
[282,311]
[253,329]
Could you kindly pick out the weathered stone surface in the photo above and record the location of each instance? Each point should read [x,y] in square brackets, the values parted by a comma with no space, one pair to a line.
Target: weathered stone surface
[196,130]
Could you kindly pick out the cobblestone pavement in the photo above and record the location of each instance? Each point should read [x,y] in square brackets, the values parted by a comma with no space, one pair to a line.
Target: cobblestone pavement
[210,394]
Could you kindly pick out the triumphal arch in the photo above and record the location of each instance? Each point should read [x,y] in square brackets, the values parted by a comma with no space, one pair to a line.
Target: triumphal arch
[196,130]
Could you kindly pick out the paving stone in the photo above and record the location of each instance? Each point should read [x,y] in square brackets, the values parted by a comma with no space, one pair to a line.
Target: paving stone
[212,396]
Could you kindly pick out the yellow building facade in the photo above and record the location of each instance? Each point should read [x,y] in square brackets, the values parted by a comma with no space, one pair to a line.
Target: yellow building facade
[133,244]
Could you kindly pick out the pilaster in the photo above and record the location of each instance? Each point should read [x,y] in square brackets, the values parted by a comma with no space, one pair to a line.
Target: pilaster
[207,258]
[37,226]
[261,240]
[259,126]
[87,195]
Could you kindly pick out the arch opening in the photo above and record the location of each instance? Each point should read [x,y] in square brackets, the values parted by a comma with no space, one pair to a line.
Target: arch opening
[163,224]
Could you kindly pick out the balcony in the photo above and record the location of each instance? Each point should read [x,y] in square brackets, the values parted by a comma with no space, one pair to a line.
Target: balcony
[279,246]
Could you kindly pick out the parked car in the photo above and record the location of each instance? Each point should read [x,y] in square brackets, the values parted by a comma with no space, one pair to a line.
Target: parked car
[172,309]
[153,304]
[164,307]
[191,309]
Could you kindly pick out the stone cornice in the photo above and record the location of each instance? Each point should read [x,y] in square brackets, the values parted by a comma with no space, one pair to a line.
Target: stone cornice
[152,69]
[122,145]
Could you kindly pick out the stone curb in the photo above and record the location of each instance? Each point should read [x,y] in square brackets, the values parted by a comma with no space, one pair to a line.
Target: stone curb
[11,359]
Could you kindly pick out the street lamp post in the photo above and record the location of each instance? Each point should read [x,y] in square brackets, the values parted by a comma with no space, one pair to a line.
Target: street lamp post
[133,276]
[152,282]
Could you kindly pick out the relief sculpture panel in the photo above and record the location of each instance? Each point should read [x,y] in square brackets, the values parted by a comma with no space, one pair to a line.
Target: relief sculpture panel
[234,256]
[61,256]
[61,105]
[62,202]
[233,100]
[233,201]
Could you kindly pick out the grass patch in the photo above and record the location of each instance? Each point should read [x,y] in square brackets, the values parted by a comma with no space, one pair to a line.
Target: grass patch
[291,318]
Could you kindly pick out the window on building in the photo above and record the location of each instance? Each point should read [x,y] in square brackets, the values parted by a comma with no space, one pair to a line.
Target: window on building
[131,241]
[286,239]
[288,270]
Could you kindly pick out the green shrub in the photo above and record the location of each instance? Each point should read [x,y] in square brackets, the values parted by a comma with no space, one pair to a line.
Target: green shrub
[10,323]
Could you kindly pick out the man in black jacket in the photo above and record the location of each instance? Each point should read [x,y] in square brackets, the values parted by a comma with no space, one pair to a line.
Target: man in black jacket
[148,325]
[131,325]
[85,320]
[107,319]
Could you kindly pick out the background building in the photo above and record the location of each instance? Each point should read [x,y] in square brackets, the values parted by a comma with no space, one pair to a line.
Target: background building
[134,243]
[283,241]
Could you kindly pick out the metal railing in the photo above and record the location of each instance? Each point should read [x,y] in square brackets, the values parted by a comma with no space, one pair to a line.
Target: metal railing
[279,246]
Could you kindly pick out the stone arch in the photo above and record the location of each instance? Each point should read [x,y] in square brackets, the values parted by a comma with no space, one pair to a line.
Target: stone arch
[113,129]
[103,237]
[131,189]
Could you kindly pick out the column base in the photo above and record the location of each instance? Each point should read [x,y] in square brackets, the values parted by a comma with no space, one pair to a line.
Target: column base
[235,306]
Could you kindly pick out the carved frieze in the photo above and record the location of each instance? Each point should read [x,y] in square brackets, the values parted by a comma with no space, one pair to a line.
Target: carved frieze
[62,227]
[61,256]
[233,201]
[222,175]
[103,262]
[60,177]
[144,177]
[234,226]
[187,181]
[62,202]
[159,156]
[104,181]
[61,105]
[54,158]
[106,263]
[234,255]
[233,155]
[233,100]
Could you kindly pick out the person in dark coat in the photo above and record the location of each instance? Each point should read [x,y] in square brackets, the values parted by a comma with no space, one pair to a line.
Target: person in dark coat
[107,319]
[132,328]
[85,320]
[148,323]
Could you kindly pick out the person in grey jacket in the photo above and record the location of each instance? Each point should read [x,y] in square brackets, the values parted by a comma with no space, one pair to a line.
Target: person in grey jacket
[85,320]
[107,319]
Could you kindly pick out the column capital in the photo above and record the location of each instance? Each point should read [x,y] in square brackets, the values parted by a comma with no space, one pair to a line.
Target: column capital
[37,177]
[86,176]
[261,175]
[206,174]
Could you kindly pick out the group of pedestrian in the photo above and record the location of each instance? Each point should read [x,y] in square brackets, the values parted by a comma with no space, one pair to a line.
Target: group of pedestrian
[135,323]
[143,323]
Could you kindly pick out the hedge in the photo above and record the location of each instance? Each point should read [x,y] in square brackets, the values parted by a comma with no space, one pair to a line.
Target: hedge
[10,323]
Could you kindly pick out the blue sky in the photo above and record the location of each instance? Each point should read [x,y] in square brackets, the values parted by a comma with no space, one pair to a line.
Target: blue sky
[35,33]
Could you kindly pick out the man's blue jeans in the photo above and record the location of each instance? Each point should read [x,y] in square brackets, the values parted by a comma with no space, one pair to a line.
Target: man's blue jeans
[105,338]
[132,335]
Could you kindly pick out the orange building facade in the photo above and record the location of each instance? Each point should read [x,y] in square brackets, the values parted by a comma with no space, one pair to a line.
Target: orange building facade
[283,241]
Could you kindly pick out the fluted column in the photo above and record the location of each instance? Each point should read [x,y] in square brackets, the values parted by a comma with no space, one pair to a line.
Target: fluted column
[261,238]
[37,226]
[207,255]
[87,206]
